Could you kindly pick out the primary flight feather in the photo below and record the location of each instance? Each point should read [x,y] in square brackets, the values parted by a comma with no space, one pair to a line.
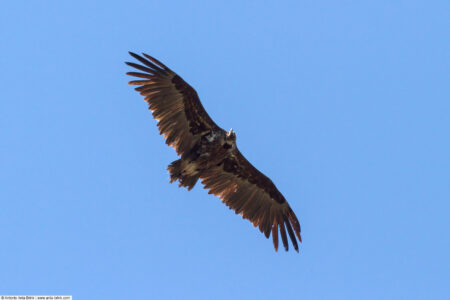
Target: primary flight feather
[210,154]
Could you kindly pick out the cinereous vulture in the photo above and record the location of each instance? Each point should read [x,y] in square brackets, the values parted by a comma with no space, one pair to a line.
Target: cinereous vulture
[210,154]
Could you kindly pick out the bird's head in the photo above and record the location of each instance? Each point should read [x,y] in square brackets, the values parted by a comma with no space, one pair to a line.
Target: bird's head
[231,135]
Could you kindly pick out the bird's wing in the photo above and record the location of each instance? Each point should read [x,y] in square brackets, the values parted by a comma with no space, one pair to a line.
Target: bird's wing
[253,195]
[174,103]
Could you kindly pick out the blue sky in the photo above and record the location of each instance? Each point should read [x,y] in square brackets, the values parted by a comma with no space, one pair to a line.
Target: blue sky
[344,104]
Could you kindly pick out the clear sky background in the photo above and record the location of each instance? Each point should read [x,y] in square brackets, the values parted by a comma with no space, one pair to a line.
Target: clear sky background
[345,105]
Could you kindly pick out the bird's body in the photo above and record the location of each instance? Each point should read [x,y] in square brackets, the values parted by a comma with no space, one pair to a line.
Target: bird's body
[211,150]
[210,154]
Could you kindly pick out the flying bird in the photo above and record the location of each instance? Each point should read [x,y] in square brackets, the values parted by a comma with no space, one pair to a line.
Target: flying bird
[210,153]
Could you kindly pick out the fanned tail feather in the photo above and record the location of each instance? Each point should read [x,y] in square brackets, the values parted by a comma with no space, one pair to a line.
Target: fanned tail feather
[177,170]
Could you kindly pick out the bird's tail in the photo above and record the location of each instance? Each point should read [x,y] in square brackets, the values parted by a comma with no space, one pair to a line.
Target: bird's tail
[184,172]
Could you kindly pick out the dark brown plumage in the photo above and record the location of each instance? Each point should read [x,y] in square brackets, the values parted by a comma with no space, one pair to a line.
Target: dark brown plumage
[210,154]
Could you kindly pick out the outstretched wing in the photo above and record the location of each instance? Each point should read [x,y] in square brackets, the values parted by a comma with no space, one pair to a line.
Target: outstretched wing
[253,195]
[174,103]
